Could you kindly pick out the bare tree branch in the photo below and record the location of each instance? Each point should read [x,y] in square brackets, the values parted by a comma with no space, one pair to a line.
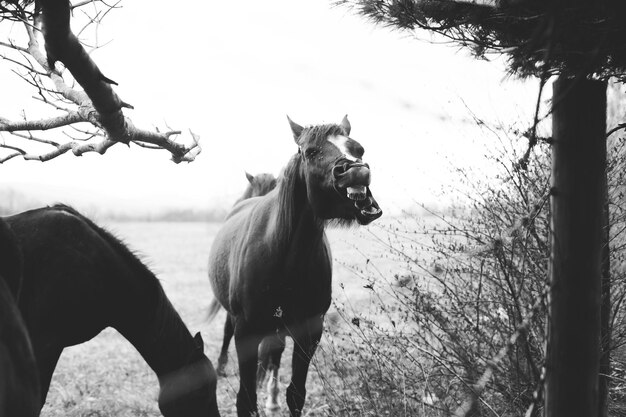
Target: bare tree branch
[13,46]
[77,149]
[9,157]
[62,45]
[43,124]
[97,104]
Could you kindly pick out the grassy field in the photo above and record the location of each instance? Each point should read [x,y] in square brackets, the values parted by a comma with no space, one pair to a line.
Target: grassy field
[107,377]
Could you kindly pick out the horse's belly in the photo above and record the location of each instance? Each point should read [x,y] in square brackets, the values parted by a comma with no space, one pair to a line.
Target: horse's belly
[273,304]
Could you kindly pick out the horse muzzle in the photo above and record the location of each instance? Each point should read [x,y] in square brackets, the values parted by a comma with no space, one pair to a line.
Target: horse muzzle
[355,178]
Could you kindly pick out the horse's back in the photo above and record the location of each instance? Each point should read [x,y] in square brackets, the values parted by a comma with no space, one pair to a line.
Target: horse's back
[52,230]
[72,271]
[62,257]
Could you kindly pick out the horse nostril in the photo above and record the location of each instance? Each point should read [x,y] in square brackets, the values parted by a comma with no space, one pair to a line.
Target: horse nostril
[338,171]
[341,168]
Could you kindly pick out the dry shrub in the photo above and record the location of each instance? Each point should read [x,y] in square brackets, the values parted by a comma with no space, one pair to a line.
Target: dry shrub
[470,277]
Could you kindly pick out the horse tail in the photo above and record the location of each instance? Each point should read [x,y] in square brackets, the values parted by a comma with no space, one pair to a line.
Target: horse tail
[213,309]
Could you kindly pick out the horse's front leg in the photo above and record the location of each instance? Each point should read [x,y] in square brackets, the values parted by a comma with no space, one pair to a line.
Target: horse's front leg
[305,342]
[247,344]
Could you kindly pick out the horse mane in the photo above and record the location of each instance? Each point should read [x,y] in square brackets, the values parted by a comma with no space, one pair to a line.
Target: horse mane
[165,315]
[287,186]
[290,179]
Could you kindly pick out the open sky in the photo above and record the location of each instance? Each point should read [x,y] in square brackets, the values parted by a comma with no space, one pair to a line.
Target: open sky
[232,71]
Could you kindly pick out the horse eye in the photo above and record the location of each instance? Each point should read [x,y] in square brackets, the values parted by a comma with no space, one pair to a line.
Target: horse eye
[311,152]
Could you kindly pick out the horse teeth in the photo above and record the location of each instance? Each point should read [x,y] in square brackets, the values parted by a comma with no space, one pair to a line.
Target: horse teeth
[357,193]
[371,210]
[356,197]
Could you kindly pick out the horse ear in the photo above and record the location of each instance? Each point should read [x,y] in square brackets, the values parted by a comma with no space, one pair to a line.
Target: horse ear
[296,129]
[250,177]
[199,342]
[345,123]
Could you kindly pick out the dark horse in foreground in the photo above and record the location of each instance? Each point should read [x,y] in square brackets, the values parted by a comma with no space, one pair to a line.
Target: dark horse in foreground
[19,382]
[80,279]
[270,265]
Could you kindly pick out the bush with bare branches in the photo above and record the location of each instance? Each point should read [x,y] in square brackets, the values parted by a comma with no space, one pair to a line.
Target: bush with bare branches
[463,329]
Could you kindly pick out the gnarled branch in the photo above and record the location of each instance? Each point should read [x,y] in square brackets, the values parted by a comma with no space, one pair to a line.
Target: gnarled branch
[97,104]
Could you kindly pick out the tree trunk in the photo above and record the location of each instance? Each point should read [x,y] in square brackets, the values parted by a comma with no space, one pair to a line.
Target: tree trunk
[578,169]
[605,310]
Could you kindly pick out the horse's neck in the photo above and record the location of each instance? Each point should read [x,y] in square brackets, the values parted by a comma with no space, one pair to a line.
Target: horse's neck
[306,233]
[161,338]
[296,216]
[308,229]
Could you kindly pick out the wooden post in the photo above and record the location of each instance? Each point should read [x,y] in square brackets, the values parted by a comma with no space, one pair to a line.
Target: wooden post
[605,309]
[578,169]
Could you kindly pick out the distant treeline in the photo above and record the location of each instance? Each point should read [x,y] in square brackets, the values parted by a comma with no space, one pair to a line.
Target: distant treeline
[12,202]
[175,215]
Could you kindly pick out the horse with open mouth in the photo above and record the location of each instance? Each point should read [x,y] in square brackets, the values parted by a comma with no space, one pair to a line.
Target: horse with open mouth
[270,264]
[79,279]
